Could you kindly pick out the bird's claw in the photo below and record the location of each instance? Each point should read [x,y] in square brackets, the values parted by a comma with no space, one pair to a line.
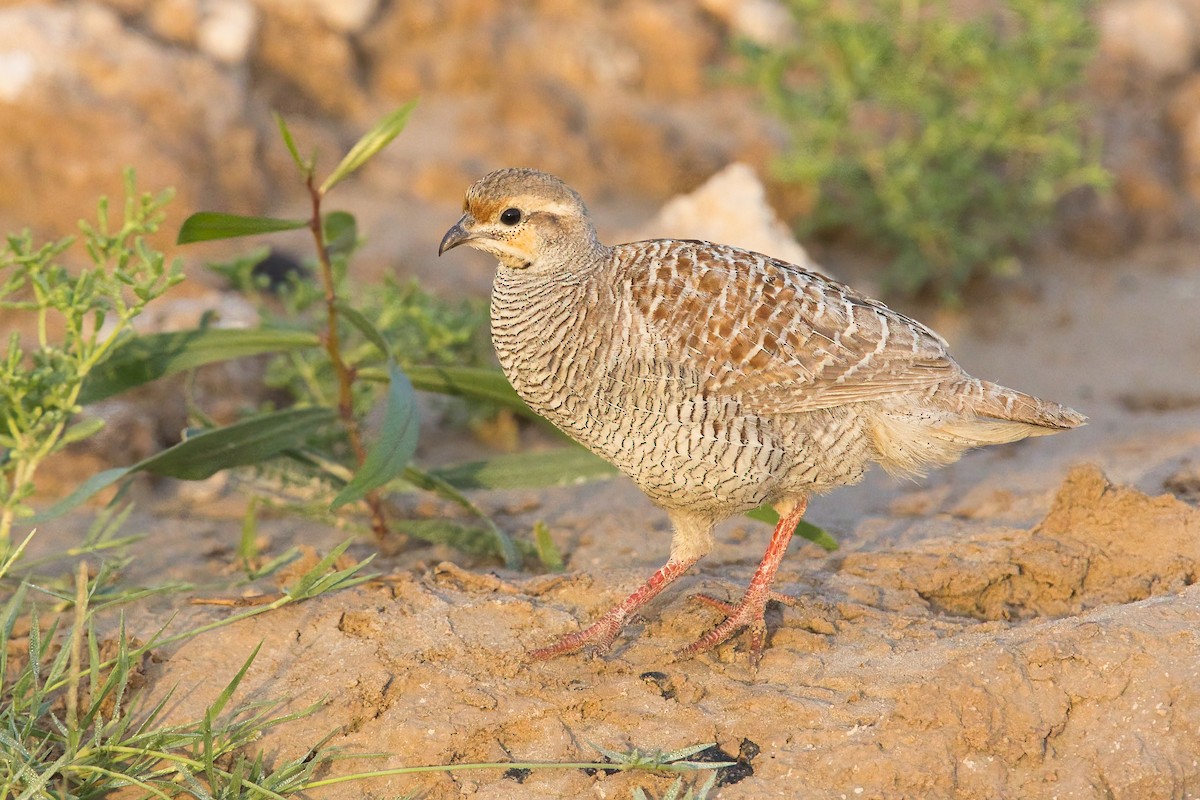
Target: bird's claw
[748,614]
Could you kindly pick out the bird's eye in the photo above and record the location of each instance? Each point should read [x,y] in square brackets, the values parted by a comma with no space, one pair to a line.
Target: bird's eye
[510,216]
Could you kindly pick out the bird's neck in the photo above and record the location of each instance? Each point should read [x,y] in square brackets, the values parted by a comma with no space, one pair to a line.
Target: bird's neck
[539,322]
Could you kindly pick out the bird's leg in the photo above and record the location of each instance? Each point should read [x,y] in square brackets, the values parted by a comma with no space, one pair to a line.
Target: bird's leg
[748,613]
[599,636]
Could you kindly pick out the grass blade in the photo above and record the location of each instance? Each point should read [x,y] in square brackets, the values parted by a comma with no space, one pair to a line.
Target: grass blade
[424,480]
[83,492]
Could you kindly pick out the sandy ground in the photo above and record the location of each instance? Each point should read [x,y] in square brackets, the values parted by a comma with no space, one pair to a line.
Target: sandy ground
[1023,624]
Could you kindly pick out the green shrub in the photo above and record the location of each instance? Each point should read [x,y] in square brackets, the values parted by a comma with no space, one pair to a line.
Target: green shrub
[82,315]
[421,328]
[945,140]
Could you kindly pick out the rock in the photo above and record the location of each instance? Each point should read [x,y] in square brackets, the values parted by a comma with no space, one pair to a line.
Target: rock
[305,65]
[764,22]
[603,95]
[85,96]
[730,208]
[227,30]
[1151,200]
[344,16]
[672,49]
[1101,545]
[174,20]
[1155,37]
[17,70]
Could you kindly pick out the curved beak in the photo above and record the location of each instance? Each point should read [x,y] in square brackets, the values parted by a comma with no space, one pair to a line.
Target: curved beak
[455,236]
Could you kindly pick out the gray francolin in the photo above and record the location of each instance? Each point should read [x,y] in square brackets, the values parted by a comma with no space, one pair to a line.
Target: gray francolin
[716,378]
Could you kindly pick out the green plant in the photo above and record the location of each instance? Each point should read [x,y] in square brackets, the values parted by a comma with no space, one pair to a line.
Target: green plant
[82,315]
[74,723]
[945,140]
[338,362]
[336,366]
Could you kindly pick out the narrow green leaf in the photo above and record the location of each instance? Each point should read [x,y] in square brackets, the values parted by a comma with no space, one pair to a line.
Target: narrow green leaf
[83,492]
[805,529]
[364,325]
[143,359]
[477,383]
[250,441]
[431,483]
[342,579]
[204,226]
[305,167]
[341,233]
[247,549]
[303,585]
[547,551]
[471,539]
[82,430]
[561,467]
[397,441]
[371,143]
[218,705]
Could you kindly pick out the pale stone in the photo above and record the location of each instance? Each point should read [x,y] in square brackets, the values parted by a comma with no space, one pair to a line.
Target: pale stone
[227,30]
[729,208]
[89,95]
[347,16]
[343,16]
[1154,36]
[17,70]
[761,21]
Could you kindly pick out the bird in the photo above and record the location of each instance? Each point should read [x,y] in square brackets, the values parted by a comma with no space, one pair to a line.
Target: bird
[717,379]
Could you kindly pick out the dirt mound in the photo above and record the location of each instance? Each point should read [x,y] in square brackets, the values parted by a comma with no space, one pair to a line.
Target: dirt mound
[1100,545]
[933,672]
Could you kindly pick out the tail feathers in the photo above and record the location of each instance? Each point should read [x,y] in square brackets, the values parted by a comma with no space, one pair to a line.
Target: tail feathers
[987,399]
[910,440]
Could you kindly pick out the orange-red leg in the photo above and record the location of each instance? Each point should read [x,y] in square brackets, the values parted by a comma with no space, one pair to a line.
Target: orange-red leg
[748,613]
[599,636]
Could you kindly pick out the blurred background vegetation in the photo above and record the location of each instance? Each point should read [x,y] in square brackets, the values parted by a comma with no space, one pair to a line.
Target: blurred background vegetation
[937,137]
[935,149]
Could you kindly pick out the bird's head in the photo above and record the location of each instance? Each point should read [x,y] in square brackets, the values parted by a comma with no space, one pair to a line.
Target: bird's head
[527,219]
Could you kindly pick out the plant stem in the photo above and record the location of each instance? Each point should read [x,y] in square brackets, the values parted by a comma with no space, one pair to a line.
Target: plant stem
[76,658]
[616,766]
[344,373]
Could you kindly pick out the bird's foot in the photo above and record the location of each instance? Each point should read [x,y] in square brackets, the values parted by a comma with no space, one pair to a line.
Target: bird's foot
[747,614]
[596,639]
[599,636]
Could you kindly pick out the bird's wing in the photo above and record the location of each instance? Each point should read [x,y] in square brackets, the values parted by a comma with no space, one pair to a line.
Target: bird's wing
[782,338]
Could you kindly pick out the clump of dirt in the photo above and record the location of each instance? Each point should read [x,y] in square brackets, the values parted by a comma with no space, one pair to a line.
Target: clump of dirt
[1056,661]
[1101,544]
